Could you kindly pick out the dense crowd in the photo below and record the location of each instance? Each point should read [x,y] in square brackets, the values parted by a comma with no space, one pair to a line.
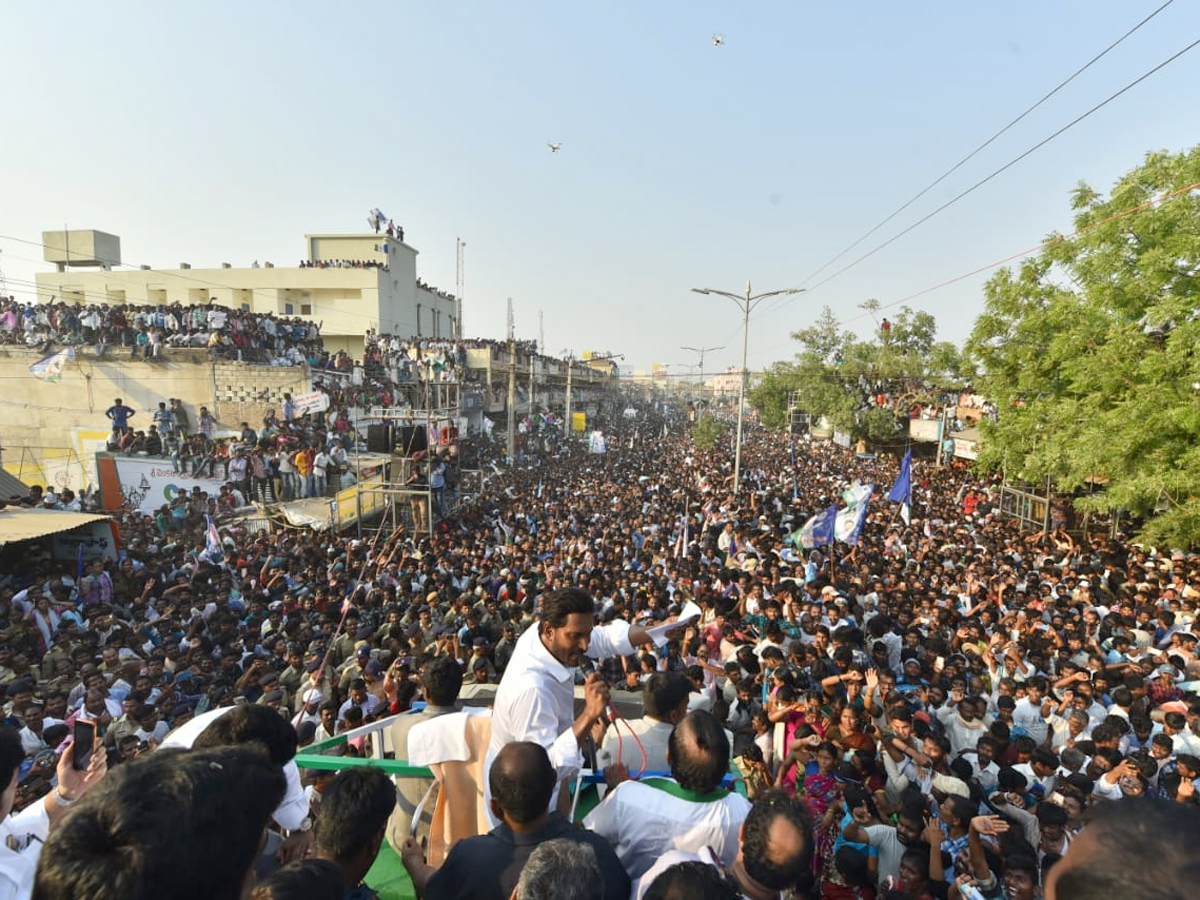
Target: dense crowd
[949,708]
[143,331]
[291,455]
[343,264]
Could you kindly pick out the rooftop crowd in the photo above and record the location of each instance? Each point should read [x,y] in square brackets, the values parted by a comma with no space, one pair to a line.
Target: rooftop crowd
[143,331]
[949,708]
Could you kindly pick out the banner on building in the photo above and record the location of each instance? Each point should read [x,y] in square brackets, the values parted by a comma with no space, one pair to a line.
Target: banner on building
[91,542]
[146,483]
[925,430]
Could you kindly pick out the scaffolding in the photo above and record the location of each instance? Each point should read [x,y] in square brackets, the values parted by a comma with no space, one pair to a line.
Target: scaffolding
[415,439]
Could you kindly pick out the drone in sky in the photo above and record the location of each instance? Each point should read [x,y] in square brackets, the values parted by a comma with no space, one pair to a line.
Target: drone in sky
[718,40]
[554,148]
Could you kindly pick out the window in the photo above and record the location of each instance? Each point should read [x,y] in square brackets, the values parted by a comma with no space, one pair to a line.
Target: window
[306,309]
[287,309]
[245,307]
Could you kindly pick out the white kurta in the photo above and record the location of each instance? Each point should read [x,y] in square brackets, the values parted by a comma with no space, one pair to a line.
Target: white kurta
[28,829]
[642,823]
[536,700]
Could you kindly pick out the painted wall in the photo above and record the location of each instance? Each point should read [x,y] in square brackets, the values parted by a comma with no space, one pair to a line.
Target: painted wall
[50,430]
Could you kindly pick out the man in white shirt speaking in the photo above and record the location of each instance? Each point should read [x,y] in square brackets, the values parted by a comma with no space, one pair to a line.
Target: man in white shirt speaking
[536,698]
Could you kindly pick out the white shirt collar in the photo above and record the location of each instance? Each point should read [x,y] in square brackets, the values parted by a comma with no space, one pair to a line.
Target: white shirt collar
[539,653]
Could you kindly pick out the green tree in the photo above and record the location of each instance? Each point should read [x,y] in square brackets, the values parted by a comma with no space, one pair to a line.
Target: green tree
[706,431]
[1089,351]
[827,372]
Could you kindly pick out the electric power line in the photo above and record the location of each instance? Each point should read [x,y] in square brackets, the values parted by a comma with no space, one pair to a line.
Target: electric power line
[1008,165]
[954,168]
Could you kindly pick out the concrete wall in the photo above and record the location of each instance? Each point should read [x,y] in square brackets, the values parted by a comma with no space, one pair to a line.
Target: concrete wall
[50,429]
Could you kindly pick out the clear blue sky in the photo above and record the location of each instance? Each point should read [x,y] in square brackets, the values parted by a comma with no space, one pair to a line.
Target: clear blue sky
[223,131]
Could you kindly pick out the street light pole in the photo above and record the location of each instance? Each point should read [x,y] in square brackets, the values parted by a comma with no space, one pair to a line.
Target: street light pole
[701,351]
[747,302]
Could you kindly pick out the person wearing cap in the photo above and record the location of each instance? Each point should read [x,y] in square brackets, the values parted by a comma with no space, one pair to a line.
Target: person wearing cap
[274,700]
[373,676]
[310,708]
[354,666]
[479,665]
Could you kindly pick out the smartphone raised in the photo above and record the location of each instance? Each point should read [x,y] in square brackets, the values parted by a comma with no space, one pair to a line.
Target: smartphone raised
[83,744]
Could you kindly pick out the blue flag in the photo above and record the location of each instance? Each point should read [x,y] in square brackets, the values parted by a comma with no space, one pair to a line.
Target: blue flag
[817,531]
[901,491]
[850,520]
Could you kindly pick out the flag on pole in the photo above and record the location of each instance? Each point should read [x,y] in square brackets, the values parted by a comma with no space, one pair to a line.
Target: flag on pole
[817,531]
[901,491]
[49,368]
[214,551]
[851,517]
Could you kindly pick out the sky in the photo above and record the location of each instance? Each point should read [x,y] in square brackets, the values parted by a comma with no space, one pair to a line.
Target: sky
[226,131]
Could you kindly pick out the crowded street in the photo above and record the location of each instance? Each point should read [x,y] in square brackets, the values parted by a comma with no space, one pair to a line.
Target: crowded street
[941,687]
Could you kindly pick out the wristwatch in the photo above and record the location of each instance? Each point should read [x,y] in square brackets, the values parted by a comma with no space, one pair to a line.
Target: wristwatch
[305,825]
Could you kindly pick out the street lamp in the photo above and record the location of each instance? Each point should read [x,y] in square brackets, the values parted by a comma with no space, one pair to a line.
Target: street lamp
[747,302]
[701,351]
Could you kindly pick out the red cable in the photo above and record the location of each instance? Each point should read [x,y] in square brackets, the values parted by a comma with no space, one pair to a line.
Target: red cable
[618,718]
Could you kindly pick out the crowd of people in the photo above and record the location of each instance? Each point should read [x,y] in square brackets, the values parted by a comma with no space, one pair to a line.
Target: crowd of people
[143,331]
[292,455]
[949,708]
[344,264]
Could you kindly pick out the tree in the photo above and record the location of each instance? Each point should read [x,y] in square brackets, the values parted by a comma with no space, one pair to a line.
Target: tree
[1089,352]
[832,374]
[706,431]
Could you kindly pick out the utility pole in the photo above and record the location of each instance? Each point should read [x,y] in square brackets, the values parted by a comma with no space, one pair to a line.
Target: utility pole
[746,302]
[459,282]
[512,388]
[532,357]
[567,406]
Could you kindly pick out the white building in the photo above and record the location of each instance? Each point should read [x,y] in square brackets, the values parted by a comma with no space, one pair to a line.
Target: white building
[346,300]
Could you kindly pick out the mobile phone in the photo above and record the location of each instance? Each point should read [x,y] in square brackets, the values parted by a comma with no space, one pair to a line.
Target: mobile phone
[82,745]
[1057,799]
[940,662]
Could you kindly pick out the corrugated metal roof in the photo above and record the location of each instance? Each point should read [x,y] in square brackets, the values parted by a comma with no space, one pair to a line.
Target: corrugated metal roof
[21,524]
[11,486]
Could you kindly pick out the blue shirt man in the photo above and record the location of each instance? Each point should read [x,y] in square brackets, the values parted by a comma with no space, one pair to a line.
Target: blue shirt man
[120,414]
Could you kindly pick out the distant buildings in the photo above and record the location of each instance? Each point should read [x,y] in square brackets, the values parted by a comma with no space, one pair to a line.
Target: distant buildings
[729,382]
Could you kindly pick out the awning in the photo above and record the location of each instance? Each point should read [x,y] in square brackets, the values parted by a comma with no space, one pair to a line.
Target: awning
[20,524]
[315,513]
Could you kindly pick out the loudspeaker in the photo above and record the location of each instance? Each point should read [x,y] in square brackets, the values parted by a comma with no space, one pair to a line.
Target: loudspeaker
[379,438]
[410,439]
